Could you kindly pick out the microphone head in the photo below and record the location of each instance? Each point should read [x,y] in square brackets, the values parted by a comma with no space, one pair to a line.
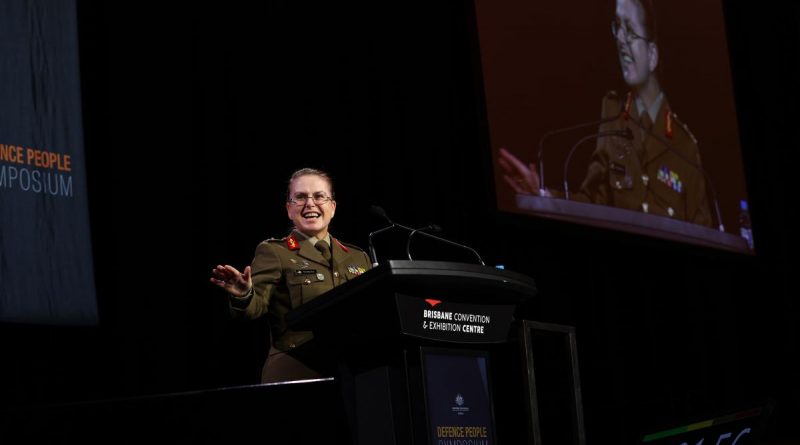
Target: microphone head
[434,228]
[378,211]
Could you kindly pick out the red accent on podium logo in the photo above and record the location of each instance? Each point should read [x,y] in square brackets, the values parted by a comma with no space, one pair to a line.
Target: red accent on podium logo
[432,302]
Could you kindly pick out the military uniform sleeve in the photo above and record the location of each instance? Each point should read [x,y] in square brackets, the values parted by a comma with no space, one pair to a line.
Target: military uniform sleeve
[266,270]
[367,260]
[697,206]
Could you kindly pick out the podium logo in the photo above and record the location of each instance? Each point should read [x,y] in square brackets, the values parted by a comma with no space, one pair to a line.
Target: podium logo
[459,408]
[432,302]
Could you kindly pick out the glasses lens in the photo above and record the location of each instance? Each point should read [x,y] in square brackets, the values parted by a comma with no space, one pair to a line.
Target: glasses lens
[318,199]
[616,27]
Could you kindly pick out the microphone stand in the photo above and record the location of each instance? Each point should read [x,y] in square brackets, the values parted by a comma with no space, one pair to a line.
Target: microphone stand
[433,227]
[372,246]
[540,155]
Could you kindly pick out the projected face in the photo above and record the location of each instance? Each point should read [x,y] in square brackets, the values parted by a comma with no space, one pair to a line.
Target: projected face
[638,56]
[310,206]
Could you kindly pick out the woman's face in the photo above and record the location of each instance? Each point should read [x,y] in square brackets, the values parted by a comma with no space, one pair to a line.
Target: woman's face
[310,218]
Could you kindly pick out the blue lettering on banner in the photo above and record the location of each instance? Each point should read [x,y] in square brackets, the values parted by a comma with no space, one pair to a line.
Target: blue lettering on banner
[36,181]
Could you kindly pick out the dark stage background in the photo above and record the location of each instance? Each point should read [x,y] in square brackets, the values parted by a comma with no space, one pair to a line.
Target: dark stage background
[195,117]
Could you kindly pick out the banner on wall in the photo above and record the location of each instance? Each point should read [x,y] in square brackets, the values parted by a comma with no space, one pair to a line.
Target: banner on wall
[46,273]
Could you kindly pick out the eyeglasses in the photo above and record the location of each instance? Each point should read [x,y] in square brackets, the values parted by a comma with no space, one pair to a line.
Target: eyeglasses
[627,33]
[318,198]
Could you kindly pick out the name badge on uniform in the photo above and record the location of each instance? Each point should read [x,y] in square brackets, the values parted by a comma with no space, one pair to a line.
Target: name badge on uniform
[670,178]
[618,168]
[356,270]
[300,272]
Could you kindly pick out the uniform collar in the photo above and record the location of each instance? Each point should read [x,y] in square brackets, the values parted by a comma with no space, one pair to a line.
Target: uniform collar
[305,247]
[300,236]
[653,110]
[313,240]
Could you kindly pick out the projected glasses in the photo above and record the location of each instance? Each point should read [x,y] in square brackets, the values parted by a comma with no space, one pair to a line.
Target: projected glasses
[627,32]
[318,198]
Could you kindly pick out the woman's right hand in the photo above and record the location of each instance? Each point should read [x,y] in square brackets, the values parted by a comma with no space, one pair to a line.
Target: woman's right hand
[234,282]
[520,177]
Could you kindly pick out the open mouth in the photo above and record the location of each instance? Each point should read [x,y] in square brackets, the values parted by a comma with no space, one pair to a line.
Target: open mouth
[626,58]
[312,215]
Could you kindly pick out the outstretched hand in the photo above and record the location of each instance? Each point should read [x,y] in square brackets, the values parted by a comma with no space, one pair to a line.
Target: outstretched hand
[234,282]
[521,178]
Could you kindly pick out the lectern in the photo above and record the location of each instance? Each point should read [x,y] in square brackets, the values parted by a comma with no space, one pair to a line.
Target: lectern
[414,341]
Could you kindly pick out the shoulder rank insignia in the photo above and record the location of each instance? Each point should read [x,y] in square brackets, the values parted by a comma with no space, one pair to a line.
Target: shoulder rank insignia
[292,244]
[670,178]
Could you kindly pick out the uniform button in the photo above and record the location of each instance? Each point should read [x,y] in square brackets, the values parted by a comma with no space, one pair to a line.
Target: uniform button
[320,276]
[670,211]
[336,274]
[645,206]
[307,281]
[627,181]
[618,185]
[645,180]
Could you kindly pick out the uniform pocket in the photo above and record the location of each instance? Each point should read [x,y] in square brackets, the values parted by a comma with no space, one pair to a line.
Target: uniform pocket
[619,176]
[306,286]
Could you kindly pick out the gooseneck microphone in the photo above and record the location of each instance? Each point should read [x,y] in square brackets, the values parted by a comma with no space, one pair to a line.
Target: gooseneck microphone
[624,133]
[378,211]
[382,213]
[428,228]
[452,243]
[540,155]
[422,231]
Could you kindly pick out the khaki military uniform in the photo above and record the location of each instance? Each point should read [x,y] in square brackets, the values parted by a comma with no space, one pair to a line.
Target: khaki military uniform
[289,272]
[657,172]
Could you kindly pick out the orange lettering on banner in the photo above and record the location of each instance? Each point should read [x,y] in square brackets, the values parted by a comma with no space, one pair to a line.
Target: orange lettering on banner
[32,156]
[47,159]
[11,153]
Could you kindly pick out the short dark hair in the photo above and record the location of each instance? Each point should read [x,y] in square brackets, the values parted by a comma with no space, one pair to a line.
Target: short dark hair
[309,172]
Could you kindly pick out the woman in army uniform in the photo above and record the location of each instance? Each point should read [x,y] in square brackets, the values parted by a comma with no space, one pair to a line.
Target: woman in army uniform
[288,272]
[657,169]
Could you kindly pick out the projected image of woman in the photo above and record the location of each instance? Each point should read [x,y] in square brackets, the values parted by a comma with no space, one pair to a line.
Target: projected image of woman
[656,167]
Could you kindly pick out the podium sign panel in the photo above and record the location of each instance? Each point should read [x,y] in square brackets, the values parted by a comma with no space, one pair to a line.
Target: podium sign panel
[458,397]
